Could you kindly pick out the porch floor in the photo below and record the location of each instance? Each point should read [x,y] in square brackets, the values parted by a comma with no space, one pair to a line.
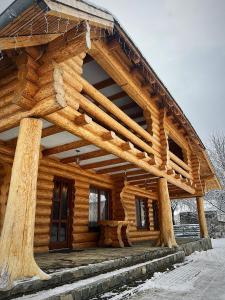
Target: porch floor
[55,261]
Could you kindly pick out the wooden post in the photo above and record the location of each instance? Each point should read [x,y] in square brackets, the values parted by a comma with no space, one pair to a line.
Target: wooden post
[4,189]
[201,217]
[167,237]
[16,242]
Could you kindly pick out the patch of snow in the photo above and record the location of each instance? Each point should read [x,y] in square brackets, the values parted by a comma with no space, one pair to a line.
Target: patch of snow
[201,276]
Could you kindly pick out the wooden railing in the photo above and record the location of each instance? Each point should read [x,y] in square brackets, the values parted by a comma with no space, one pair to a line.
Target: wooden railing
[179,166]
[99,107]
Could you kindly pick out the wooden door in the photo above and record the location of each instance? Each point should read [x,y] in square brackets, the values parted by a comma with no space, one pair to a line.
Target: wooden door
[61,221]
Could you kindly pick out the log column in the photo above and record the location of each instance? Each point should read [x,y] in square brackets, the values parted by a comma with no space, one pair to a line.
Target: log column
[201,217]
[167,238]
[16,243]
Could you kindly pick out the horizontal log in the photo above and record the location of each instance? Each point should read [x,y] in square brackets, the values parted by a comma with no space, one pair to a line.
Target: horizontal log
[98,113]
[39,221]
[42,108]
[62,49]
[84,245]
[102,163]
[85,237]
[80,229]
[65,147]
[111,107]
[180,170]
[49,165]
[23,41]
[42,230]
[178,161]
[41,249]
[6,100]
[87,133]
[8,88]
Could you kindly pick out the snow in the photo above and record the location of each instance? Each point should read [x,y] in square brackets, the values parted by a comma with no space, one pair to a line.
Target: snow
[201,276]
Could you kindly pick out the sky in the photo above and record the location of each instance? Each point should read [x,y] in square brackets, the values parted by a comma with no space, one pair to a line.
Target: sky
[184,42]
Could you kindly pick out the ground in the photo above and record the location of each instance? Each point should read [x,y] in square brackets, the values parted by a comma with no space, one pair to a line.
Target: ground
[201,276]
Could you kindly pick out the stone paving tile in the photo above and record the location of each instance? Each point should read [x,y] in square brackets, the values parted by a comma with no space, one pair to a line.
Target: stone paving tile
[54,261]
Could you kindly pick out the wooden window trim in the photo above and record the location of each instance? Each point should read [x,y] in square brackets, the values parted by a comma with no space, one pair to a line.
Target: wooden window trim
[109,204]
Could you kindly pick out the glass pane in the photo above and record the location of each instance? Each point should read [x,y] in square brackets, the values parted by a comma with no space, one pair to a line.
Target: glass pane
[104,197]
[55,215]
[143,214]
[62,233]
[56,191]
[54,232]
[93,208]
[64,201]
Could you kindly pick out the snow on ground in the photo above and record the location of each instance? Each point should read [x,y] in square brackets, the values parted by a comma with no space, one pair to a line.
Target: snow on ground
[201,276]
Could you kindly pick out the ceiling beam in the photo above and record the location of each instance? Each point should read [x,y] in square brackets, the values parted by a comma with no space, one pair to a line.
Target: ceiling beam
[53,129]
[115,169]
[128,106]
[104,83]
[93,154]
[45,132]
[144,177]
[102,163]
[129,173]
[65,147]
[116,96]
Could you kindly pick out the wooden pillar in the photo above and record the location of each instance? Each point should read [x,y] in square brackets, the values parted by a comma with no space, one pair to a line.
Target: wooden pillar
[167,238]
[201,217]
[16,242]
[4,189]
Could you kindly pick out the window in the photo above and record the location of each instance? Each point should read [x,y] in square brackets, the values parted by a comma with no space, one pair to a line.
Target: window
[98,206]
[142,213]
[155,208]
[175,149]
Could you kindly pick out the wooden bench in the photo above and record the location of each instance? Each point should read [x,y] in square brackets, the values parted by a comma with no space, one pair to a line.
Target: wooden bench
[114,234]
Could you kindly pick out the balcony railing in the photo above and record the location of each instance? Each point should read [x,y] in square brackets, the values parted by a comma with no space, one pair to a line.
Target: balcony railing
[180,167]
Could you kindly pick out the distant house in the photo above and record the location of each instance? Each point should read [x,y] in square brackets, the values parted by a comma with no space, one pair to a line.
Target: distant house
[215,222]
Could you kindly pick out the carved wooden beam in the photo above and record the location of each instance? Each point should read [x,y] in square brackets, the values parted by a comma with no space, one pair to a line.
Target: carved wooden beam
[26,41]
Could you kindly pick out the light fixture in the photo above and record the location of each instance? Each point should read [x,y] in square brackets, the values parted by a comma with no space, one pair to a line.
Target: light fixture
[77,157]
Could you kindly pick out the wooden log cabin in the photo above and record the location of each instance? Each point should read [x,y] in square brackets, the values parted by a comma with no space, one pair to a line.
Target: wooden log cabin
[88,135]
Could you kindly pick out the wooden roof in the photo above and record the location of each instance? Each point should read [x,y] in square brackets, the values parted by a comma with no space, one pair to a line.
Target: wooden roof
[30,22]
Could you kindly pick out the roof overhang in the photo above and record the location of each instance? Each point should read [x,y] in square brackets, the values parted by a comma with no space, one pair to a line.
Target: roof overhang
[40,20]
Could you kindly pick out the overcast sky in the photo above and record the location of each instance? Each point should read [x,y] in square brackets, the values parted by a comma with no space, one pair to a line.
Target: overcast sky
[184,41]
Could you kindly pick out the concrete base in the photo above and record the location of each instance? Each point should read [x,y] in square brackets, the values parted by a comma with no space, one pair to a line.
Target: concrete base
[199,245]
[83,282]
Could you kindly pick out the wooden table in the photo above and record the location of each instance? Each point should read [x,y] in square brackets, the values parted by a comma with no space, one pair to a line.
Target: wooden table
[114,234]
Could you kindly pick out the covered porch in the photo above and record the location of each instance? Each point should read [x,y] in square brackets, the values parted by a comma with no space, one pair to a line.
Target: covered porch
[96,270]
[88,134]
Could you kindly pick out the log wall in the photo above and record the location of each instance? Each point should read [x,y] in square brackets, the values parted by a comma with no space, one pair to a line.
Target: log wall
[81,237]
[128,196]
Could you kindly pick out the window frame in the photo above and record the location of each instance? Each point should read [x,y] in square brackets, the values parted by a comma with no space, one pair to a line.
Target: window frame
[156,220]
[139,225]
[99,190]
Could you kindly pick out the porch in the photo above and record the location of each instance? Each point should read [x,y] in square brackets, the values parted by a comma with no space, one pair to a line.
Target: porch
[85,112]
[79,270]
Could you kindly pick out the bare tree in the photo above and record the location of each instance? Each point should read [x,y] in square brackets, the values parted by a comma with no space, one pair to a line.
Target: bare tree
[216,150]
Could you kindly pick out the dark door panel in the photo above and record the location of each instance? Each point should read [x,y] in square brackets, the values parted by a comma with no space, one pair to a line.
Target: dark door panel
[61,221]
